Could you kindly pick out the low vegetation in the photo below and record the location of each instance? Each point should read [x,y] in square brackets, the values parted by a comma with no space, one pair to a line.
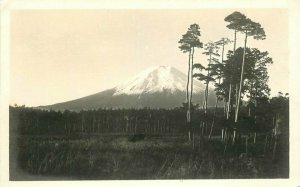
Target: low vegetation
[147,144]
[155,157]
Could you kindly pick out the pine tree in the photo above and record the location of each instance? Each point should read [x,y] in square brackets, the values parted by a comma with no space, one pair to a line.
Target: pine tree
[240,23]
[235,20]
[220,67]
[211,50]
[189,41]
[249,28]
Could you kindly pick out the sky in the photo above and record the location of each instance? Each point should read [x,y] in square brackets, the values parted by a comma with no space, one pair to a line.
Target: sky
[60,55]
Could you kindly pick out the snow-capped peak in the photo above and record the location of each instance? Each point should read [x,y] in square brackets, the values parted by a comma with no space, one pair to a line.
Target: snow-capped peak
[156,79]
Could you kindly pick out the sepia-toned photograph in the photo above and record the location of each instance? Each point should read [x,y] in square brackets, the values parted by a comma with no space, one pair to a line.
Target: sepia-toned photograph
[149,94]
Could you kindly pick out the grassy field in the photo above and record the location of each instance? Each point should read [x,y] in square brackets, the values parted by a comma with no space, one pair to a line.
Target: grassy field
[113,156]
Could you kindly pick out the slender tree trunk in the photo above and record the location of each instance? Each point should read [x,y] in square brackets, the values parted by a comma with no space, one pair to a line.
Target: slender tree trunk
[206,97]
[216,106]
[241,81]
[229,101]
[206,88]
[188,82]
[234,136]
[191,91]
[222,136]
[230,84]
[222,62]
[188,113]
[192,64]
[236,96]
[203,105]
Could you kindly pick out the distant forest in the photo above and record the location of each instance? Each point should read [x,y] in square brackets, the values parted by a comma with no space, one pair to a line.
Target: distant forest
[24,120]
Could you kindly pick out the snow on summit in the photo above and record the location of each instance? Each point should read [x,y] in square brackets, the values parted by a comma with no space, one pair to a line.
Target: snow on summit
[156,79]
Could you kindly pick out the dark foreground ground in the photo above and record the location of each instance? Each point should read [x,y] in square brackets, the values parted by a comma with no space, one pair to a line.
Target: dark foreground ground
[114,156]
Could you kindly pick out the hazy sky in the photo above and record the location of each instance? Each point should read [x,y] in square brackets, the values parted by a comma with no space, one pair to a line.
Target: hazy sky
[59,55]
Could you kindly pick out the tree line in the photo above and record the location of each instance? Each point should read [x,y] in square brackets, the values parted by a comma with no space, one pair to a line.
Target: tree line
[24,120]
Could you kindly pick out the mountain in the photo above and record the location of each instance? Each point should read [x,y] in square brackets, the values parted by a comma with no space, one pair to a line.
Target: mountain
[156,87]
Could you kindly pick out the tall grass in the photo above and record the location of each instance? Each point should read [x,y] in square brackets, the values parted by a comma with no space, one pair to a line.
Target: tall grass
[155,157]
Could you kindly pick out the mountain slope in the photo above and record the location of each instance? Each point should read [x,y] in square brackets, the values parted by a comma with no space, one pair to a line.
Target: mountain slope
[157,87]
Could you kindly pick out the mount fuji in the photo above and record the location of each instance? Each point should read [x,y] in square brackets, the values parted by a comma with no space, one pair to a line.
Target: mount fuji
[156,87]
